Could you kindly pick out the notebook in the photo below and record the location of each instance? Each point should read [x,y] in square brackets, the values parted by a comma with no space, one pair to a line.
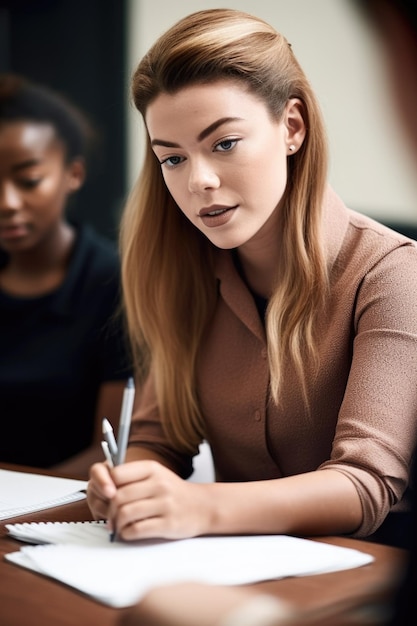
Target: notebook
[118,574]
[22,492]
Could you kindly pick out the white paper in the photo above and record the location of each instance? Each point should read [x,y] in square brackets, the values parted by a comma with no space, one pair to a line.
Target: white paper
[118,574]
[22,492]
[78,533]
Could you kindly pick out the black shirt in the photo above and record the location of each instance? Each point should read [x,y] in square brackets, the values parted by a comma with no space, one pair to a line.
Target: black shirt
[55,351]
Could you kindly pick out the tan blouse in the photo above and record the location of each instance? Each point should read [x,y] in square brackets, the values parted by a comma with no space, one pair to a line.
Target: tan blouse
[363,399]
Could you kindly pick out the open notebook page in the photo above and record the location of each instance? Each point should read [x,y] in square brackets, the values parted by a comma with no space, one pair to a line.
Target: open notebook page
[22,492]
[119,574]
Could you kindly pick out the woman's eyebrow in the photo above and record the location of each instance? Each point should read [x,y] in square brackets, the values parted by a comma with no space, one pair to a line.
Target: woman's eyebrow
[204,133]
[25,164]
[223,120]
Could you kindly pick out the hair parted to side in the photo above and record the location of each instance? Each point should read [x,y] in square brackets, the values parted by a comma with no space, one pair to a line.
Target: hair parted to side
[24,100]
[168,281]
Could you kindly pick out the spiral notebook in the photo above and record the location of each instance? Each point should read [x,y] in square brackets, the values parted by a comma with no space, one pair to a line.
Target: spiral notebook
[79,554]
[22,492]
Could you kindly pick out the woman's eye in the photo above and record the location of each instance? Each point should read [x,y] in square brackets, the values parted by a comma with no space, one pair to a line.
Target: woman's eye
[29,183]
[226,145]
[172,161]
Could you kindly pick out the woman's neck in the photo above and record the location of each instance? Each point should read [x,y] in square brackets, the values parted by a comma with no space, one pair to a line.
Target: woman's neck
[41,269]
[259,258]
[259,264]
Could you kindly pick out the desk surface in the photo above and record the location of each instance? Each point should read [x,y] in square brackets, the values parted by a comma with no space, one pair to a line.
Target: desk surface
[27,598]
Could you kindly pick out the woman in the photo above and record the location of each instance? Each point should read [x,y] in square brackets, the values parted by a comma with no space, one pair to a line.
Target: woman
[63,364]
[278,324]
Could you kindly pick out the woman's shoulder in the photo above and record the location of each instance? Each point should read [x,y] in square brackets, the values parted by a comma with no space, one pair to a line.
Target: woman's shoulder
[351,234]
[94,251]
[372,243]
[94,242]
[95,265]
[345,226]
[380,230]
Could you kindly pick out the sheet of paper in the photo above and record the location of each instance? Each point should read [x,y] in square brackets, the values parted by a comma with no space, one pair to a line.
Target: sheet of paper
[22,493]
[79,533]
[118,574]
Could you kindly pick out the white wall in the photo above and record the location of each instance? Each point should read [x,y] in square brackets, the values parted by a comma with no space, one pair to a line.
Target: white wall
[371,166]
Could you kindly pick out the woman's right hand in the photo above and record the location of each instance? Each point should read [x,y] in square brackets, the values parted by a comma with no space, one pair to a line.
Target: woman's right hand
[100,490]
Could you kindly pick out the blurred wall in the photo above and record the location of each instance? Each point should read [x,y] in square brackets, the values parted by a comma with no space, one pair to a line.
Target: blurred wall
[370,160]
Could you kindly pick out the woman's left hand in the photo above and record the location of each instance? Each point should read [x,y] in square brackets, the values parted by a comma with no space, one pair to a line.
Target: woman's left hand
[153,502]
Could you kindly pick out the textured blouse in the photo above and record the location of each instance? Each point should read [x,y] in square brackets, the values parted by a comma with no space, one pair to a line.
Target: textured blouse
[362,399]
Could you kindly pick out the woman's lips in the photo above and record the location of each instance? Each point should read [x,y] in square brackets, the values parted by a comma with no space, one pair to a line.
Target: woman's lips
[216,215]
[13,232]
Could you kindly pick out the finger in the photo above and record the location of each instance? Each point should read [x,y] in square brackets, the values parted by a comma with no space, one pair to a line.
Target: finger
[147,528]
[99,472]
[98,505]
[100,489]
[136,492]
[99,511]
[98,508]
[101,480]
[136,471]
[136,500]
[147,518]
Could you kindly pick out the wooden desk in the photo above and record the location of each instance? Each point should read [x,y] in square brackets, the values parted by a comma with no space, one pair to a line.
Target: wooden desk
[29,599]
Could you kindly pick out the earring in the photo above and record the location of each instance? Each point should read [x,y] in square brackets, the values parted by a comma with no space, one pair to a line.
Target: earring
[291,147]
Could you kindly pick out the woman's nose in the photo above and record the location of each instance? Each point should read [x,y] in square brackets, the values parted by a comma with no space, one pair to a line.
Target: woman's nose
[202,177]
[10,199]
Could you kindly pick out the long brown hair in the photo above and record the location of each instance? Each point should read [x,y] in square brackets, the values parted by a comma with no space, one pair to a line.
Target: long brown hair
[167,272]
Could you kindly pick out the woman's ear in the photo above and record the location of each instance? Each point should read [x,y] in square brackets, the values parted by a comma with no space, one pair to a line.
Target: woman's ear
[295,125]
[76,174]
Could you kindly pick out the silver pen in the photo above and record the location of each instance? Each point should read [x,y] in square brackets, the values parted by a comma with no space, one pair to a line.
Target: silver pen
[110,440]
[115,452]
[125,419]
[106,451]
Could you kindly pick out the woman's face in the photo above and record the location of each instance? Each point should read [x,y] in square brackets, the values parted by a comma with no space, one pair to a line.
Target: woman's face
[223,157]
[34,183]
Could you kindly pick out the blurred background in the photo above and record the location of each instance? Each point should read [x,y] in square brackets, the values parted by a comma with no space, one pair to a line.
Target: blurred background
[78,47]
[87,50]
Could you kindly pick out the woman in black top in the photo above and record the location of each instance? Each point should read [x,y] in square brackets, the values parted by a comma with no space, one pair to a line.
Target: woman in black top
[63,358]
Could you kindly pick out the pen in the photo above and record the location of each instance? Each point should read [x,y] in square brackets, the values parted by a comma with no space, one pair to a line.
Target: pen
[125,419]
[109,458]
[110,440]
[119,450]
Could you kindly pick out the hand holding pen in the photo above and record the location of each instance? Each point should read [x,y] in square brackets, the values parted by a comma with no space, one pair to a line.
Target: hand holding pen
[115,452]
